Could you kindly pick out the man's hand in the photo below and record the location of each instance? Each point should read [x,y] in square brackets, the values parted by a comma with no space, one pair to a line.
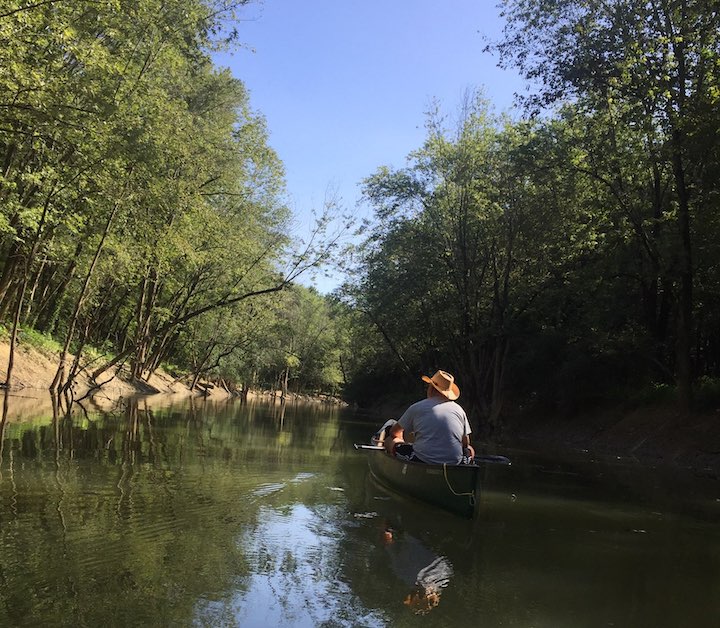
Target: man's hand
[468,449]
[395,435]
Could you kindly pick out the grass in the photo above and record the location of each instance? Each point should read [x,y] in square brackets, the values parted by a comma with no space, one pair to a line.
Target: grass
[42,342]
[46,344]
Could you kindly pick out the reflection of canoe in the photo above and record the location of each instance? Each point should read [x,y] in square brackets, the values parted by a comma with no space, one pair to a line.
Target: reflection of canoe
[455,488]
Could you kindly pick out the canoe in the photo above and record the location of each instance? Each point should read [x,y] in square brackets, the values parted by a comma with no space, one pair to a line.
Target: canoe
[455,488]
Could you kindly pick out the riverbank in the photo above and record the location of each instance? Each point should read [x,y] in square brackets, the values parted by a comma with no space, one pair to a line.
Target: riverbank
[654,435]
[34,370]
[658,435]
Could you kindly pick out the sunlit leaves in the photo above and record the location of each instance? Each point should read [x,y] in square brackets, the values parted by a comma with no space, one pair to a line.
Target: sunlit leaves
[114,110]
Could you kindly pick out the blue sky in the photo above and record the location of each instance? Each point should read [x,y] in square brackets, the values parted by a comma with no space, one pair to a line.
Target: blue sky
[345,84]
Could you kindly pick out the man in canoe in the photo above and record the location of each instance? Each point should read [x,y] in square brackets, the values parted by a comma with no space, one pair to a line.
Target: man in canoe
[440,426]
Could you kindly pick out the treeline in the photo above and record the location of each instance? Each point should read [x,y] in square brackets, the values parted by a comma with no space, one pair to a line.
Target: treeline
[570,258]
[554,262]
[142,212]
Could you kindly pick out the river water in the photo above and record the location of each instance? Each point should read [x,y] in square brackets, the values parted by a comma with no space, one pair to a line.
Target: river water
[222,514]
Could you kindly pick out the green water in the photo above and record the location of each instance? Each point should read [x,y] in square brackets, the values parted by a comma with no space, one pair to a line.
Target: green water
[219,514]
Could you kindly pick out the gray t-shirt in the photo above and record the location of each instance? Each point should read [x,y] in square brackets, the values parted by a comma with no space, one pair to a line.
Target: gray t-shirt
[439,426]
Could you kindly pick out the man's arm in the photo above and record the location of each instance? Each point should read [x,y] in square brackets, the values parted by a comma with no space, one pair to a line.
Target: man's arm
[468,449]
[395,435]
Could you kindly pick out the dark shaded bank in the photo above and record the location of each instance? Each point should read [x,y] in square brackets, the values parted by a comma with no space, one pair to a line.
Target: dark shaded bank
[652,435]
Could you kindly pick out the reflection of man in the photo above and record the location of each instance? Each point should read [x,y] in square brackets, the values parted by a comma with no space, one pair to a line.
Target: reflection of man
[440,426]
[419,568]
[429,583]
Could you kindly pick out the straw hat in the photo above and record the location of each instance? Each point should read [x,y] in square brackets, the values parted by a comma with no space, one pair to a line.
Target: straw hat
[444,383]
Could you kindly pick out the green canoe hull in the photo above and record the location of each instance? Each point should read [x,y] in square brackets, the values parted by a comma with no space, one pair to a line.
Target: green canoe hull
[455,488]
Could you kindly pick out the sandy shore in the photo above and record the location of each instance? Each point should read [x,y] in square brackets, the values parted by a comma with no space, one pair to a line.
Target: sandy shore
[33,372]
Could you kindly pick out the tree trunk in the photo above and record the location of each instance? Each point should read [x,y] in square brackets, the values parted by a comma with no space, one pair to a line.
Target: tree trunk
[13,335]
[48,312]
[139,326]
[685,306]
[285,379]
[59,379]
[497,395]
[23,287]
[8,275]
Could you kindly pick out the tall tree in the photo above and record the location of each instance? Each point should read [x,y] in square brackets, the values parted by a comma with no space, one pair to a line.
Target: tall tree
[138,192]
[467,238]
[650,67]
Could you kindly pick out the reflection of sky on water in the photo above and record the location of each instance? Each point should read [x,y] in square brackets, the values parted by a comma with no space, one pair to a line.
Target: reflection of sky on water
[295,554]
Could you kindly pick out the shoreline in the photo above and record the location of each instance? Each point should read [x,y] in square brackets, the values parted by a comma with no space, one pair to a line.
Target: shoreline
[34,371]
[657,435]
[651,435]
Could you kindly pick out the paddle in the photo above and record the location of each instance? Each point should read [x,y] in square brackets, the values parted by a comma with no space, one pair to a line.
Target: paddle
[487,458]
[483,459]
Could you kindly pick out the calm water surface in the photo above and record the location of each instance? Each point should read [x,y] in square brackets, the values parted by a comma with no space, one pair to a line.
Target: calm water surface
[219,514]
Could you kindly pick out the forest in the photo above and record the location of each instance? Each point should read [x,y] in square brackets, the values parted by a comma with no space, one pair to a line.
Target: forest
[565,257]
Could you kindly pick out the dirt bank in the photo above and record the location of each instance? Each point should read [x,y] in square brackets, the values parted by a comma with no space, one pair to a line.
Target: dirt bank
[33,372]
[656,435]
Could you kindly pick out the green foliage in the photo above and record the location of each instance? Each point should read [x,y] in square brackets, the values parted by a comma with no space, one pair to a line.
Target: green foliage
[42,342]
[571,259]
[140,202]
[296,333]
[468,240]
[643,82]
[304,341]
[566,259]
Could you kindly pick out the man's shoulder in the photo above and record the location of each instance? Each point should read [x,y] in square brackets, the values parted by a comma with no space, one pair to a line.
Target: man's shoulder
[428,401]
[452,407]
[418,408]
[418,405]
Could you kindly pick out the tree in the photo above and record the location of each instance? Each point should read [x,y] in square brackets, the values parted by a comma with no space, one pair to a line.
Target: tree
[650,67]
[467,238]
[302,346]
[138,192]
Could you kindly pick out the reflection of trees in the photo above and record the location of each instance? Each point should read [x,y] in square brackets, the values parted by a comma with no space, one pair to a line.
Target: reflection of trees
[132,516]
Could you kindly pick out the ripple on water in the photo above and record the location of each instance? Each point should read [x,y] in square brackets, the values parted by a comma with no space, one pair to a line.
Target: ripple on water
[365,515]
[302,477]
[268,489]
